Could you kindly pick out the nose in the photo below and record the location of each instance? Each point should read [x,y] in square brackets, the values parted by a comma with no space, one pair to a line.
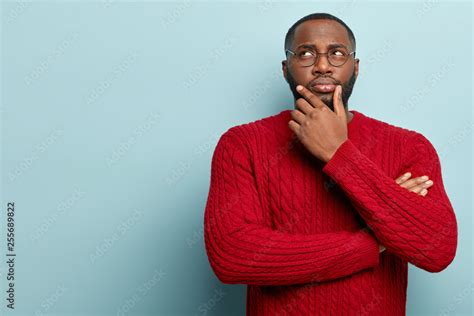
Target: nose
[322,65]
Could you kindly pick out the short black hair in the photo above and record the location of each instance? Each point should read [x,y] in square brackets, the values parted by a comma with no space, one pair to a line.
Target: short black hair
[317,16]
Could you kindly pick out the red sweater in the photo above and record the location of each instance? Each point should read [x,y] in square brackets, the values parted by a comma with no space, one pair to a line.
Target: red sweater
[292,227]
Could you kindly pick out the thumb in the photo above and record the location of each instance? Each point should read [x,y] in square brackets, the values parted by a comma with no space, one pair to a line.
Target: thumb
[337,102]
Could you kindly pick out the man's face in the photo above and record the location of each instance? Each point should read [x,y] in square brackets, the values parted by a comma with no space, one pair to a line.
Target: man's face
[322,34]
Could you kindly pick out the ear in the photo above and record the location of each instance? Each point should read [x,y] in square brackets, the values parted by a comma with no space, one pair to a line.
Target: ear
[284,69]
[356,67]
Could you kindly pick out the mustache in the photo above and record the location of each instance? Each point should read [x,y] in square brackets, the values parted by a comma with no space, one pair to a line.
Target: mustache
[324,79]
[347,87]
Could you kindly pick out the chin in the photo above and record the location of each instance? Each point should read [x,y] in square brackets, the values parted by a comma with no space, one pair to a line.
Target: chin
[328,102]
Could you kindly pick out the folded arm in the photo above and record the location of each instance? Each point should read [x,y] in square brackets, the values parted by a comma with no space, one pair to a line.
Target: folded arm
[241,248]
[420,229]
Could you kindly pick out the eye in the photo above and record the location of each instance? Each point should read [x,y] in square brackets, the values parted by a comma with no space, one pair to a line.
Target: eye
[338,52]
[305,53]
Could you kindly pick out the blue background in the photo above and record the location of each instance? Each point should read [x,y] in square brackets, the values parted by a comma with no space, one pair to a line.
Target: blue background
[110,113]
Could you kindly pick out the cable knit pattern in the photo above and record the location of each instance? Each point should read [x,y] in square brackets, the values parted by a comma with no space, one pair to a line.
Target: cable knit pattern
[293,228]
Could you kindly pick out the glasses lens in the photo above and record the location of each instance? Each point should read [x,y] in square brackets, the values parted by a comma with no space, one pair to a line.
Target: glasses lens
[305,56]
[337,56]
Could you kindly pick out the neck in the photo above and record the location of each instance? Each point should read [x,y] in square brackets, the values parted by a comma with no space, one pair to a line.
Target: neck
[349,116]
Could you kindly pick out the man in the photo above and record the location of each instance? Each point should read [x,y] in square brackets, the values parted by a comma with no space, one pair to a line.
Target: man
[319,209]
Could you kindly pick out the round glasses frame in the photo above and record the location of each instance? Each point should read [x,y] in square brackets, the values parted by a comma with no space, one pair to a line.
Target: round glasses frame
[315,58]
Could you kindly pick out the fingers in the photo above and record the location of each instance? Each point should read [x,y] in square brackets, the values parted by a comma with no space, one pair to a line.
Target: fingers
[411,183]
[417,185]
[298,116]
[295,127]
[304,106]
[310,97]
[337,102]
[403,178]
[422,188]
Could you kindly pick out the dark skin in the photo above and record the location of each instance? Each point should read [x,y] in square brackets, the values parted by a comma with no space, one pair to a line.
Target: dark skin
[320,33]
[324,130]
[320,119]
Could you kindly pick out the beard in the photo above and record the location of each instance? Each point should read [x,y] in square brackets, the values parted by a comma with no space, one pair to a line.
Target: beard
[328,97]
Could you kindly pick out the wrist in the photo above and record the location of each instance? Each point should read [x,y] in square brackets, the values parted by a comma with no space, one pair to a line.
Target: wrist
[331,154]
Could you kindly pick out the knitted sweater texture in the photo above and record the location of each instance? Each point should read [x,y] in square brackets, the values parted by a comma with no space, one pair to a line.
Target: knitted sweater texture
[294,228]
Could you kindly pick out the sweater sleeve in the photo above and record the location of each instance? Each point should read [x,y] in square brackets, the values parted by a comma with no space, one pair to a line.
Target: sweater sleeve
[420,230]
[241,248]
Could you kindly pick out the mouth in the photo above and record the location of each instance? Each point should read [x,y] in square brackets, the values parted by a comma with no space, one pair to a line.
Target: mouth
[323,85]
[323,88]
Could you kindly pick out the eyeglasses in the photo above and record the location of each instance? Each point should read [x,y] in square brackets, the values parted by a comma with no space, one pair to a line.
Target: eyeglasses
[307,57]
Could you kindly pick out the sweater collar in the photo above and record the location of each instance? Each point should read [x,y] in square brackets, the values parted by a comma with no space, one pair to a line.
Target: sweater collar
[353,126]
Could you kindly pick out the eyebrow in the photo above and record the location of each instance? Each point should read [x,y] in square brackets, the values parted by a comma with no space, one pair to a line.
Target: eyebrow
[334,45]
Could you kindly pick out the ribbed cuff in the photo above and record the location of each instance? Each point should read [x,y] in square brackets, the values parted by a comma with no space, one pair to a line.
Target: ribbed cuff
[340,163]
[369,250]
